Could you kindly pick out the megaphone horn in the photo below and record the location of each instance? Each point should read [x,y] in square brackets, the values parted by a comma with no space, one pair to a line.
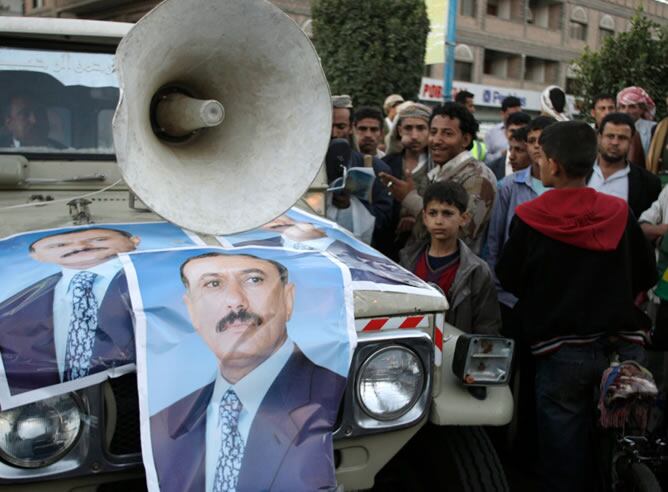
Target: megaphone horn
[224,116]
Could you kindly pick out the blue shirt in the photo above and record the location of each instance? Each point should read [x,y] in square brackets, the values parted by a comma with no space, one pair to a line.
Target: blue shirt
[513,190]
[250,390]
[62,302]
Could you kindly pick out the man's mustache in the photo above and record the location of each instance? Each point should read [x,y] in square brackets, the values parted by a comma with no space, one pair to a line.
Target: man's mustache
[234,316]
[82,250]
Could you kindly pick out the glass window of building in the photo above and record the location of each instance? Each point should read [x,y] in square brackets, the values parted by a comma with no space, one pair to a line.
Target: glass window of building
[606,27]
[502,65]
[578,24]
[463,63]
[467,8]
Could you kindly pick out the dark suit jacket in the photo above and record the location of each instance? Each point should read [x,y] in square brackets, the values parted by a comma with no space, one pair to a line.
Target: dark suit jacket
[644,189]
[498,167]
[26,334]
[288,443]
[362,266]
[388,242]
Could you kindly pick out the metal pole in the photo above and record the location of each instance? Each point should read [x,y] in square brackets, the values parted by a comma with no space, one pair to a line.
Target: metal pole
[450,43]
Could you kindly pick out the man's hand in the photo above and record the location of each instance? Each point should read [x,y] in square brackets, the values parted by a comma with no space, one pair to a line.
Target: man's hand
[341,200]
[396,187]
[653,232]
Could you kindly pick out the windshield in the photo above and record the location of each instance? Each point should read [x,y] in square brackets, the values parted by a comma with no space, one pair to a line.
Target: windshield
[57,101]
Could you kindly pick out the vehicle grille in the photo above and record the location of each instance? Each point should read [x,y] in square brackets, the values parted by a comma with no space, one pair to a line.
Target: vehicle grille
[126,437]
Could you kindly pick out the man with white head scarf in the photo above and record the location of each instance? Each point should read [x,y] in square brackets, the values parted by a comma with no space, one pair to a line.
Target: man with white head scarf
[553,103]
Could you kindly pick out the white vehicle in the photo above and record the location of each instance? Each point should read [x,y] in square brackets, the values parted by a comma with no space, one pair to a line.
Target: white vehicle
[71,177]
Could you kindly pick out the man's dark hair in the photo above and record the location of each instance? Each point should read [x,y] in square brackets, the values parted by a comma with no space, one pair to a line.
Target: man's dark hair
[602,97]
[350,114]
[467,123]
[519,118]
[448,192]
[519,134]
[364,112]
[282,271]
[558,99]
[617,119]
[510,102]
[31,248]
[540,123]
[462,96]
[572,144]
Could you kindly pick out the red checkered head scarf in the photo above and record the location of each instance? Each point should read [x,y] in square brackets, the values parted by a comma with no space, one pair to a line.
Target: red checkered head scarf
[637,95]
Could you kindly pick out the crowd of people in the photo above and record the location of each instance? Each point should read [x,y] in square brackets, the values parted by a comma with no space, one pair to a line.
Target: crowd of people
[547,232]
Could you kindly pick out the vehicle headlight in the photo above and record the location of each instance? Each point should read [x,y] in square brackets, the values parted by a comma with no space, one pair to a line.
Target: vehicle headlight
[40,433]
[482,360]
[390,382]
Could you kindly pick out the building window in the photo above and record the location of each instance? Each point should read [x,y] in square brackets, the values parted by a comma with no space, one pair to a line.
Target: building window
[503,65]
[578,24]
[506,9]
[545,14]
[540,70]
[37,4]
[463,71]
[464,63]
[493,7]
[578,31]
[467,8]
[606,27]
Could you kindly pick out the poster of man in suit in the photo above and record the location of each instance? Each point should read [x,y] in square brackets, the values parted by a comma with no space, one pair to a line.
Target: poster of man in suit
[256,345]
[65,319]
[369,269]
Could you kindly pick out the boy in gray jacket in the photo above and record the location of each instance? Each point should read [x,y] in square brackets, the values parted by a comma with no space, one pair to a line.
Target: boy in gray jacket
[444,260]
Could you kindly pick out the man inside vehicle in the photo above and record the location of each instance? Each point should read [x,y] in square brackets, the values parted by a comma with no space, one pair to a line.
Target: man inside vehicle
[27,124]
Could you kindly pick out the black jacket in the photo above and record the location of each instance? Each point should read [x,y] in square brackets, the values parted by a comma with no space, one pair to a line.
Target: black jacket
[575,281]
[644,189]
[386,241]
[498,167]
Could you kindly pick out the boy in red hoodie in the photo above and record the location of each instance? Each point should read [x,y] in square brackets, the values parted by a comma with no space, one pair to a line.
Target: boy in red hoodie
[576,259]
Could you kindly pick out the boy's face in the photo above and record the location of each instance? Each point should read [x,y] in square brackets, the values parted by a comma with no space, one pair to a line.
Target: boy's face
[533,147]
[442,220]
[547,168]
[518,156]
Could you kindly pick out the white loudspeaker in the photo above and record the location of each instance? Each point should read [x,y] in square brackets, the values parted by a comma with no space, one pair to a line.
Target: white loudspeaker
[225,113]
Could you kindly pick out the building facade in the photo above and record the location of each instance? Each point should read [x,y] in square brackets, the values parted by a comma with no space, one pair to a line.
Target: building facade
[519,47]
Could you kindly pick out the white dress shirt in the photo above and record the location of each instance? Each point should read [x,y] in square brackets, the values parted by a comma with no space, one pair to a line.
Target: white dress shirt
[62,303]
[251,390]
[617,184]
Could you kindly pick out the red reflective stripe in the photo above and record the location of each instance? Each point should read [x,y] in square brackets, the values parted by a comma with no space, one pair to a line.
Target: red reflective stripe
[438,339]
[375,324]
[411,322]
